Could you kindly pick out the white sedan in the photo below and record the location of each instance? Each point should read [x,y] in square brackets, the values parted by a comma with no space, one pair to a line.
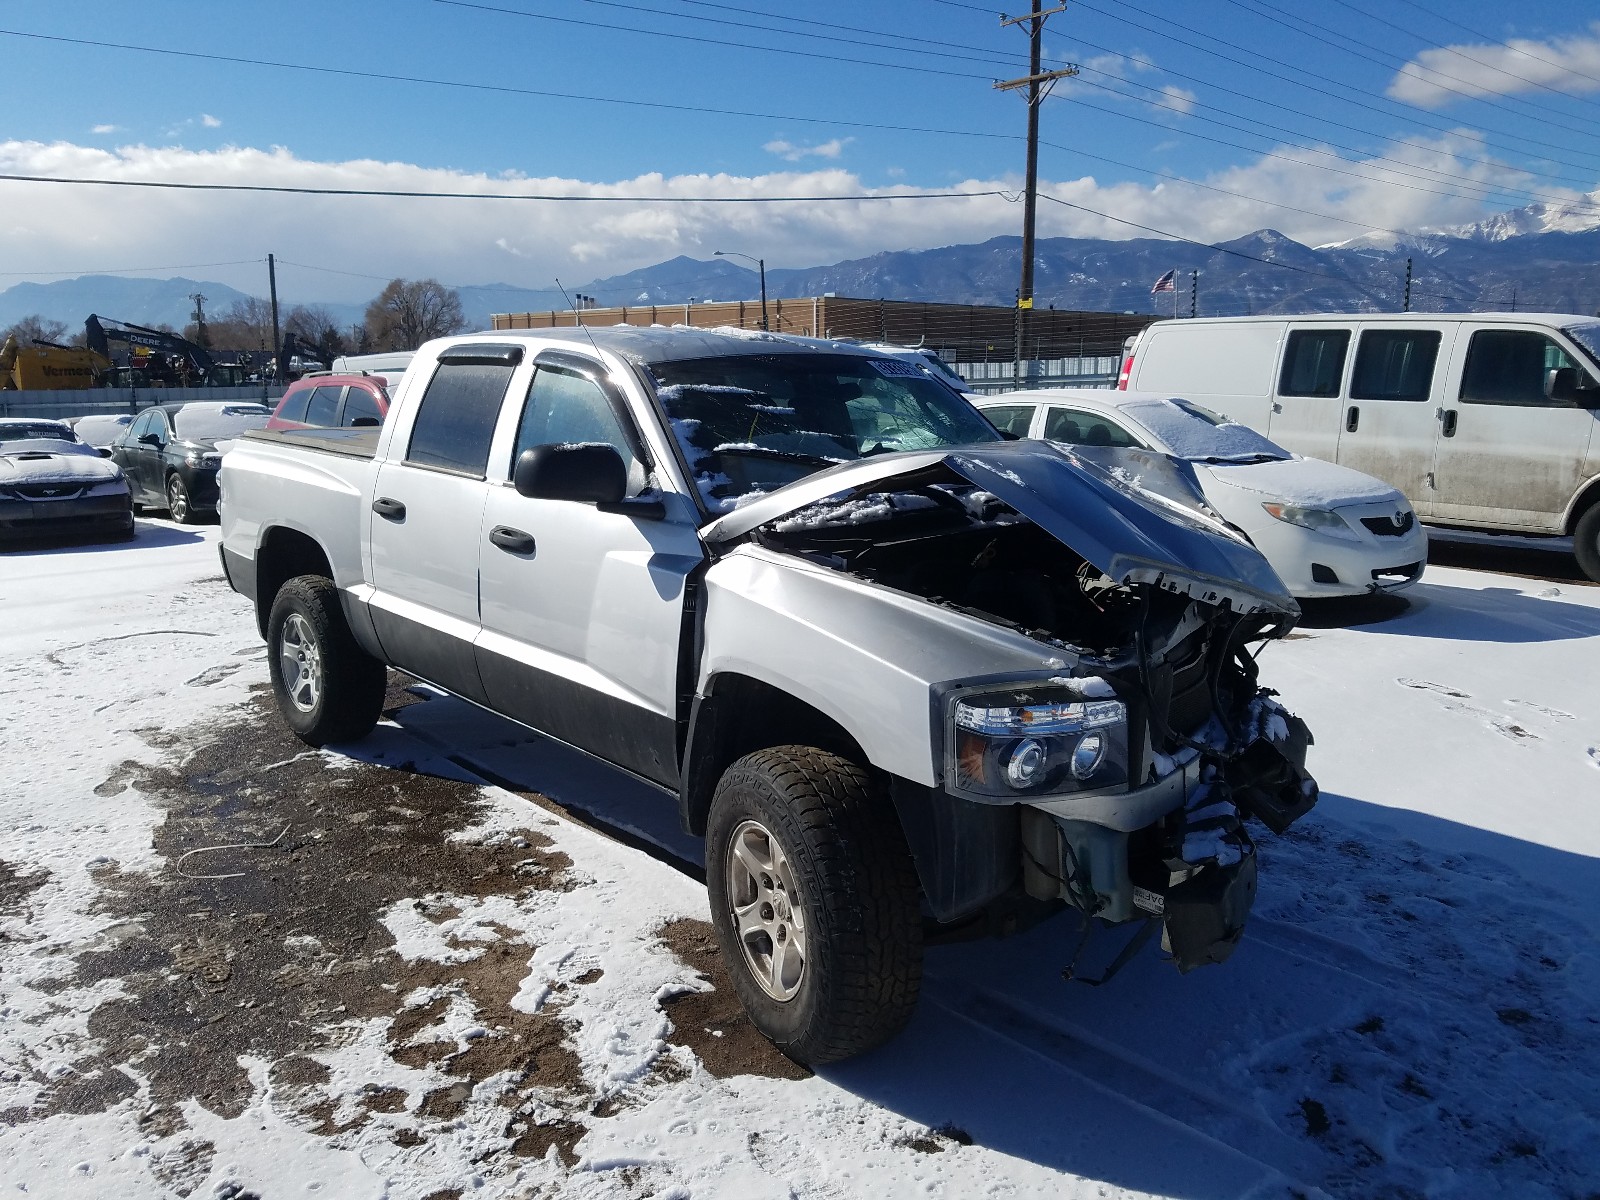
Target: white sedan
[1326,530]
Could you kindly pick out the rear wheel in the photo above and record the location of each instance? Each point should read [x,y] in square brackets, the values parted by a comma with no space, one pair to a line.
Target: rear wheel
[328,688]
[815,902]
[178,501]
[1586,542]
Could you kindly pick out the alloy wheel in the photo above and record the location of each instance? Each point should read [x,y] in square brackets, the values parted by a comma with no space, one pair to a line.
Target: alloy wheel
[768,910]
[300,658]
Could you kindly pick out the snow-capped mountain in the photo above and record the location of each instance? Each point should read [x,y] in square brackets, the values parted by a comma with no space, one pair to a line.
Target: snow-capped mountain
[1577,216]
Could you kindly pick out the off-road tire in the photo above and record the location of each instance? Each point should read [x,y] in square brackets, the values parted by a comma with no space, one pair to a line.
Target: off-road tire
[179,507]
[857,890]
[1586,542]
[347,698]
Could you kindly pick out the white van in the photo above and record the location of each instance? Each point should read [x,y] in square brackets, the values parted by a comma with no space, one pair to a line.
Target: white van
[389,366]
[1483,420]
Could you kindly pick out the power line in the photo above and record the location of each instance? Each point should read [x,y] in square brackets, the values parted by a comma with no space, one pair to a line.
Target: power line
[1490,40]
[1380,56]
[239,262]
[541,197]
[1300,82]
[1461,54]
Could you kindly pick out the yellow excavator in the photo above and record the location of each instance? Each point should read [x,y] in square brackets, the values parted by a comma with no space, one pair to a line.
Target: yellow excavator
[47,366]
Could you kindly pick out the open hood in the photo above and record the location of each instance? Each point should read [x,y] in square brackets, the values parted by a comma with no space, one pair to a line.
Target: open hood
[1093,511]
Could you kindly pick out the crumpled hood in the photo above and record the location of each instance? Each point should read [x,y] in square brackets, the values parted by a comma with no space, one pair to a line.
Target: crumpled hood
[1084,507]
[36,466]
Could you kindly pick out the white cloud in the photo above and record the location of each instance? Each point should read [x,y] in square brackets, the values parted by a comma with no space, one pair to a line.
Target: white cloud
[794,153]
[1436,78]
[1179,100]
[210,122]
[105,129]
[60,230]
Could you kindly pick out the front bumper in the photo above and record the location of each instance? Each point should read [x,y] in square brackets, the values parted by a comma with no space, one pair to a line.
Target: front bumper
[1316,566]
[50,516]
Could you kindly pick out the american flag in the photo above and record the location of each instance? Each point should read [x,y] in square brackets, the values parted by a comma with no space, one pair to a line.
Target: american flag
[1164,284]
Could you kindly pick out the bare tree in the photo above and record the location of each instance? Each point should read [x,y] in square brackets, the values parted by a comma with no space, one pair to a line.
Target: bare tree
[35,328]
[315,328]
[243,325]
[409,312]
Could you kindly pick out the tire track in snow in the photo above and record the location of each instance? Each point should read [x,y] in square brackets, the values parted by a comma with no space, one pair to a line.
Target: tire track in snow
[1129,1080]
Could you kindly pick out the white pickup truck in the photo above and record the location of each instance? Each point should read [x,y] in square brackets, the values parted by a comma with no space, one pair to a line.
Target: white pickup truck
[905,676]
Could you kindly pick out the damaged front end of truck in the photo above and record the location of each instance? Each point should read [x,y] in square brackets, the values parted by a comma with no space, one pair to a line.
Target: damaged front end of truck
[1134,760]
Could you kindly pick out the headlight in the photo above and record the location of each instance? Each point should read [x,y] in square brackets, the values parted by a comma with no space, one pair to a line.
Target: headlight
[1319,519]
[210,462]
[1016,742]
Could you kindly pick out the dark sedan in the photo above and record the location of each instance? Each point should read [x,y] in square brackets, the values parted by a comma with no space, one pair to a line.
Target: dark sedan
[50,482]
[172,452]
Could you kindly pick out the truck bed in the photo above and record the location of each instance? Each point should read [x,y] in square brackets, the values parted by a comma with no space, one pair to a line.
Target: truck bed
[352,443]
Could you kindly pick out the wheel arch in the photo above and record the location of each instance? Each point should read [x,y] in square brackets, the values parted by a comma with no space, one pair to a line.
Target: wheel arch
[737,715]
[1588,496]
[282,554]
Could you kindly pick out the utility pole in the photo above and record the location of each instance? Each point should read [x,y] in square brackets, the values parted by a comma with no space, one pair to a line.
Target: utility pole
[1039,84]
[279,366]
[199,319]
[1408,286]
[1194,293]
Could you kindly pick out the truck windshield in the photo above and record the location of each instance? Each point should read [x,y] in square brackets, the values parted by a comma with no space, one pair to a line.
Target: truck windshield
[752,423]
[1587,336]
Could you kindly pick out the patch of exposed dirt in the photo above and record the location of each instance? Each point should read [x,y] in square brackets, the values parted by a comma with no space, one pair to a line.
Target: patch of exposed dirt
[713,1024]
[283,944]
[15,887]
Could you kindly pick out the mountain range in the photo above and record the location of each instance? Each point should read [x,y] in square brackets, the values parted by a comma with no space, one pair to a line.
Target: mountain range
[1538,258]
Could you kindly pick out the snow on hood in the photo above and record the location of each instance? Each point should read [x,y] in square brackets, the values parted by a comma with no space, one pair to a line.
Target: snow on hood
[1085,508]
[55,462]
[1309,482]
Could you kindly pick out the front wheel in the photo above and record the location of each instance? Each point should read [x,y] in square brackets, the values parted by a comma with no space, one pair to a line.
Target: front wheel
[328,688]
[178,505]
[815,902]
[1586,542]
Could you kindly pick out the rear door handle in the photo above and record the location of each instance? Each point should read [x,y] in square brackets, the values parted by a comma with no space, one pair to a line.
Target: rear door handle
[392,509]
[1352,419]
[513,540]
[1449,422]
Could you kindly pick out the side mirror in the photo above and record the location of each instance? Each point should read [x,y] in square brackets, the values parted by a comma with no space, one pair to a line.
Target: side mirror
[105,451]
[149,439]
[589,473]
[365,423]
[1561,384]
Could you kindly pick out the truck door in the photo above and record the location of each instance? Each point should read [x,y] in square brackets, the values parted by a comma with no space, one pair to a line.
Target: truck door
[1307,409]
[1509,455]
[427,503]
[1391,413]
[583,610]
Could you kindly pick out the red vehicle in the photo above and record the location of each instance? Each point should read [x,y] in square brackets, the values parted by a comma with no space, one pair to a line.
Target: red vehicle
[332,400]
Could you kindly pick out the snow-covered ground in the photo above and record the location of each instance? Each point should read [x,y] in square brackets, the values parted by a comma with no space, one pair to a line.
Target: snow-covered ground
[420,984]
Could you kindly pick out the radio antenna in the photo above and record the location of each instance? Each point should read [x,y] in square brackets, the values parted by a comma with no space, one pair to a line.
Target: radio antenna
[576,318]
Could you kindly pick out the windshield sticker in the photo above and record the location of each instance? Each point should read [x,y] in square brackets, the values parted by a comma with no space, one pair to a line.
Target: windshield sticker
[897,368]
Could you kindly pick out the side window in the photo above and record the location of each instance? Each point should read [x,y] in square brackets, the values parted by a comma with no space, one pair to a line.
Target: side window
[1395,364]
[455,421]
[1313,362]
[1507,366]
[1011,418]
[293,405]
[145,424]
[323,407]
[360,408]
[564,408]
[1079,428]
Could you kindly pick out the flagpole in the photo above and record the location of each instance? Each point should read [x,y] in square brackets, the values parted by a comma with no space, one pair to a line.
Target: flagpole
[1174,293]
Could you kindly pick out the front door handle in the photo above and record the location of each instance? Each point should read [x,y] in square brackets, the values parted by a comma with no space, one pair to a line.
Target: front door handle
[513,540]
[394,510]
[1449,422]
[1352,419]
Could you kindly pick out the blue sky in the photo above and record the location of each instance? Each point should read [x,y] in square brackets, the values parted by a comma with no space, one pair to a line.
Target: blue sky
[1206,119]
